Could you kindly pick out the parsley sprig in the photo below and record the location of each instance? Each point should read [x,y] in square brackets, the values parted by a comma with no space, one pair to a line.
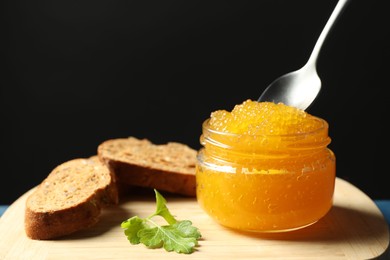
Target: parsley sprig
[178,236]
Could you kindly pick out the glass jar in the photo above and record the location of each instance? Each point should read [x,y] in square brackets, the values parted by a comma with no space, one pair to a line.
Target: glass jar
[265,183]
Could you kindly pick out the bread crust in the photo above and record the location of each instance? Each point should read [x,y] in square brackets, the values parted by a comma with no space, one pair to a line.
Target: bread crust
[45,221]
[135,175]
[138,162]
[54,224]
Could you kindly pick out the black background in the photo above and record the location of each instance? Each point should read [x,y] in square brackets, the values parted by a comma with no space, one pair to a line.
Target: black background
[76,73]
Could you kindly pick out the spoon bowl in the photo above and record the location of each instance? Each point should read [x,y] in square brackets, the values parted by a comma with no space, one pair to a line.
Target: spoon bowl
[301,87]
[298,88]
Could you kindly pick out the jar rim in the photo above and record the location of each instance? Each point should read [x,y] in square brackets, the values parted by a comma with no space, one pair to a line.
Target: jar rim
[324,127]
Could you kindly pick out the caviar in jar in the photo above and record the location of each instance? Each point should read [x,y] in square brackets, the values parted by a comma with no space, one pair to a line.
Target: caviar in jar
[265,167]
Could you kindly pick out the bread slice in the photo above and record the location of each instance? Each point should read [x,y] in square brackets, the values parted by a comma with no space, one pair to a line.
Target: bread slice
[139,162]
[69,199]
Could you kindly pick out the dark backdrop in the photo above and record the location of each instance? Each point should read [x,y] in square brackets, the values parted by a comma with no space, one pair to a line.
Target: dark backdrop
[76,73]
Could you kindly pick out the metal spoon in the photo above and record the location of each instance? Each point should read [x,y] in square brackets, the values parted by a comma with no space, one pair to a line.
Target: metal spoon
[301,87]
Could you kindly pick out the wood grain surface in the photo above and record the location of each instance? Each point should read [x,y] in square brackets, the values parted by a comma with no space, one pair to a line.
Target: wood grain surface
[353,229]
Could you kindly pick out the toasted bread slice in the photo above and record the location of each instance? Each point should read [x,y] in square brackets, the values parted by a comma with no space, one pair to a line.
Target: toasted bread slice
[70,199]
[139,162]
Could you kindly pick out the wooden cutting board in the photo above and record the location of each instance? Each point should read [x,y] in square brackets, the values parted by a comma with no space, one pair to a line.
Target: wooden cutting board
[353,229]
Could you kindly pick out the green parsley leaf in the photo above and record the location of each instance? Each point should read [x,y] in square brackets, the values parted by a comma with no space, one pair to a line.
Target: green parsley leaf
[162,209]
[132,226]
[178,236]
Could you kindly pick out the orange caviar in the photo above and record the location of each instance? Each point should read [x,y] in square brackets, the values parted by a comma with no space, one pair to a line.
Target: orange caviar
[265,167]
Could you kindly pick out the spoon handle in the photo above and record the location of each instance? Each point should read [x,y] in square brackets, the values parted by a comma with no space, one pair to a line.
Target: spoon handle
[329,24]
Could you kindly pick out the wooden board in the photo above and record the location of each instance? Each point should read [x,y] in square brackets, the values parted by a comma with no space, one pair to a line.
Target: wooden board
[353,229]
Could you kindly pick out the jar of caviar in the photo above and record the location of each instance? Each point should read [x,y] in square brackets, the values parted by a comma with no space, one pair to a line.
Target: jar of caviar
[265,167]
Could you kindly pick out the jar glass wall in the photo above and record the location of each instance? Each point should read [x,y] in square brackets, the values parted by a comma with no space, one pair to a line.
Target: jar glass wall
[265,183]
